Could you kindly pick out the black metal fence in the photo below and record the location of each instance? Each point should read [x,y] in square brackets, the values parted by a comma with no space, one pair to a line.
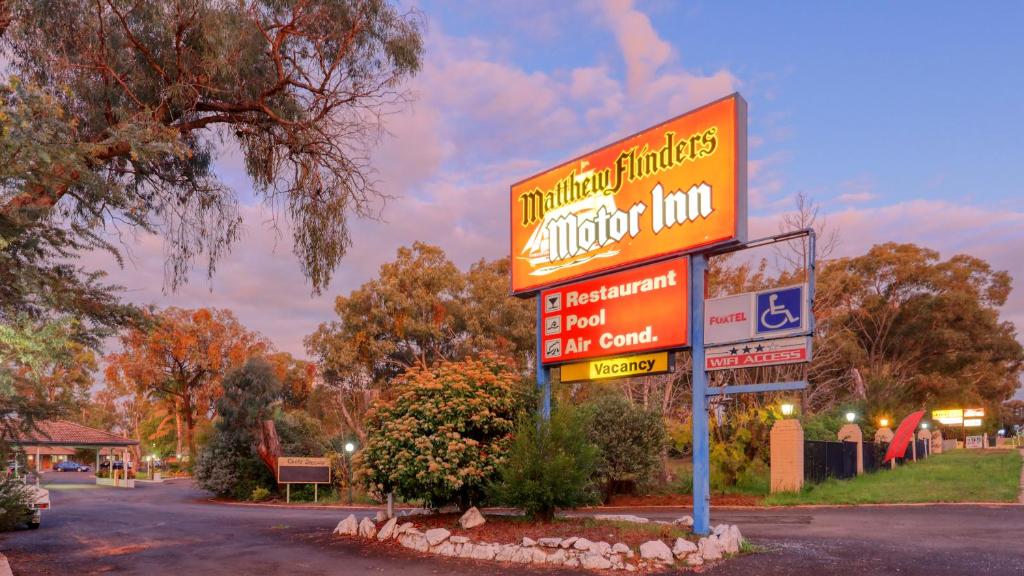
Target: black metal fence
[824,459]
[829,460]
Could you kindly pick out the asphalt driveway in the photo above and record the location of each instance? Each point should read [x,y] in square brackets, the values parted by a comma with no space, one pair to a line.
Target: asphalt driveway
[172,528]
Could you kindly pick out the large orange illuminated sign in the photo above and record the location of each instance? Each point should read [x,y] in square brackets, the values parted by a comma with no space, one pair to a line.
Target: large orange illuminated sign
[637,310]
[670,189]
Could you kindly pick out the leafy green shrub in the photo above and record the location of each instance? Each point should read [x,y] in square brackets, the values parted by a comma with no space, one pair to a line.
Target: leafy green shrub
[739,443]
[259,494]
[549,466]
[230,468]
[443,437]
[630,440]
[15,500]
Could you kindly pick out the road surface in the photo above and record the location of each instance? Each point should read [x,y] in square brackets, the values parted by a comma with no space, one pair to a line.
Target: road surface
[172,528]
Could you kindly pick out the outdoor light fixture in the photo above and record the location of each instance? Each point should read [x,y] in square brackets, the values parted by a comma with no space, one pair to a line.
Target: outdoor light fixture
[350,447]
[850,417]
[884,422]
[787,409]
[924,425]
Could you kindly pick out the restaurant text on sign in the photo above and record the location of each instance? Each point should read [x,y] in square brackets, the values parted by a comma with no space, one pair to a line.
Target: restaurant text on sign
[635,310]
[670,189]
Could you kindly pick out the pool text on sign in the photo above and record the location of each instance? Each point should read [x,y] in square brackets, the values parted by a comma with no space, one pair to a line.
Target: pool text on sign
[618,367]
[635,310]
[670,189]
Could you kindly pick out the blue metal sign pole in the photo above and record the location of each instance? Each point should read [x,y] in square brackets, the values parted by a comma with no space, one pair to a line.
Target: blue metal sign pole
[701,444]
[543,373]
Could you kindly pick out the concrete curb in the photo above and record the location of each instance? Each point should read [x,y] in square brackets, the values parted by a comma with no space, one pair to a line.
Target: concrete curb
[5,566]
[1020,497]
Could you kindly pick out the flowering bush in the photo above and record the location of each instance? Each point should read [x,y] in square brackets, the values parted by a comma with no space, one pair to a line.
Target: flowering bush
[443,437]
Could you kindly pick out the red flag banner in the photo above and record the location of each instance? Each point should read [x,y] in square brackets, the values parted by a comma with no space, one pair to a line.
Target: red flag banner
[904,434]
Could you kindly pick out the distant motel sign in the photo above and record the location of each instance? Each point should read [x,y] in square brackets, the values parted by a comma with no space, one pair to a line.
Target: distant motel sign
[638,310]
[671,189]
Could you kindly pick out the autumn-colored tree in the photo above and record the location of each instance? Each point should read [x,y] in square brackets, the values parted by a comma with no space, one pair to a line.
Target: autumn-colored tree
[180,358]
[297,377]
[420,310]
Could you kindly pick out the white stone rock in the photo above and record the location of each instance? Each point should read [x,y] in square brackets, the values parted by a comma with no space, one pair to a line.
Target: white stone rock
[435,536]
[656,550]
[458,539]
[734,531]
[348,527]
[582,544]
[602,548]
[617,562]
[595,561]
[443,549]
[483,551]
[405,527]
[559,556]
[683,547]
[380,516]
[730,544]
[621,548]
[694,560]
[415,541]
[387,531]
[367,529]
[684,521]
[529,542]
[539,556]
[522,555]
[622,518]
[569,542]
[504,553]
[630,567]
[572,562]
[720,529]
[710,548]
[471,519]
[549,542]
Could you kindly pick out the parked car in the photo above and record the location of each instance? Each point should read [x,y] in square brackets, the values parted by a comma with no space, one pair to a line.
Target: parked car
[42,502]
[69,466]
[118,465]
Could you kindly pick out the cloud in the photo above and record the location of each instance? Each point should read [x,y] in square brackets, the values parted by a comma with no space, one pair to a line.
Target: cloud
[642,49]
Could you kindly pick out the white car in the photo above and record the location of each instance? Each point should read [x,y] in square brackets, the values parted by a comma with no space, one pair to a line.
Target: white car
[42,502]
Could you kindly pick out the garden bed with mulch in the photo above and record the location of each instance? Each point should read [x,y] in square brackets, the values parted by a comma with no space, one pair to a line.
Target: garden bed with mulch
[514,528]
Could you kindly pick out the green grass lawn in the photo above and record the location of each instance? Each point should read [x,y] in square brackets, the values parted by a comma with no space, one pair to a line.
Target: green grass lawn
[957,476]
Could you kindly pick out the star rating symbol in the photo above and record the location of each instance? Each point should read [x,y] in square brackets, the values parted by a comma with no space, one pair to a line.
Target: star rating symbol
[733,351]
[746,349]
[759,348]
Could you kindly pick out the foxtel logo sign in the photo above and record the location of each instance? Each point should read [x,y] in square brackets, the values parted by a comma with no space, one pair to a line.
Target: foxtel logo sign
[671,189]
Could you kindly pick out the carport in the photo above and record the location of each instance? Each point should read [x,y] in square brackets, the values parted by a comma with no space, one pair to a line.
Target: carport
[62,434]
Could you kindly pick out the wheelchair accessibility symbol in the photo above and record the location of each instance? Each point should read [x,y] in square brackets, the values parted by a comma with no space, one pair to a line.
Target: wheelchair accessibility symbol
[780,310]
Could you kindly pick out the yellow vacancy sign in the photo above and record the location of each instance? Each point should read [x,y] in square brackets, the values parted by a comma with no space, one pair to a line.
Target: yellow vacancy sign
[953,416]
[619,367]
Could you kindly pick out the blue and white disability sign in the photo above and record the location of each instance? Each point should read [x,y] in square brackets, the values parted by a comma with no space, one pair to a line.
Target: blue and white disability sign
[767,314]
[779,311]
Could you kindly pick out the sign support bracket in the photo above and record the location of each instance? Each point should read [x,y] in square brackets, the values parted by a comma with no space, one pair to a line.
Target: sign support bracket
[701,439]
[543,373]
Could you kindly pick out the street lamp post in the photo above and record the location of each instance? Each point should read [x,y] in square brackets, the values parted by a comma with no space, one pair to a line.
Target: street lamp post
[349,448]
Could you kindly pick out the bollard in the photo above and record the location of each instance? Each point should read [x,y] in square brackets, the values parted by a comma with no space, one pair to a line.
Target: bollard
[787,456]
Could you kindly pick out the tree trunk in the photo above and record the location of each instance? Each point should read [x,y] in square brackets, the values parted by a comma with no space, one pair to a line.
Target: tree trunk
[269,445]
[190,425]
[177,428]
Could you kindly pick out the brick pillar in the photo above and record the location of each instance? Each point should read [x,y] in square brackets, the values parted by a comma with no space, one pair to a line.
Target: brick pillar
[787,456]
[852,433]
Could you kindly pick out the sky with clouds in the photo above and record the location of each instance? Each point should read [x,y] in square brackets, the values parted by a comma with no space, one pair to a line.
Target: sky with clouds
[901,120]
